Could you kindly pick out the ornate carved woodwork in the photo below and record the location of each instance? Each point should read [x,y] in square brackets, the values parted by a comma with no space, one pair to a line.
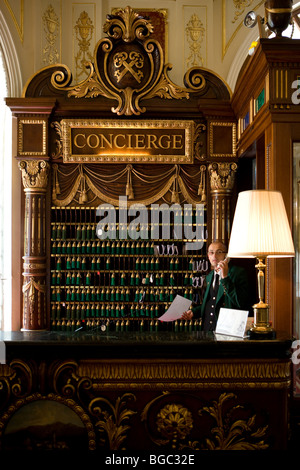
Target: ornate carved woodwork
[35,181]
[222,178]
[125,130]
[267,107]
[234,398]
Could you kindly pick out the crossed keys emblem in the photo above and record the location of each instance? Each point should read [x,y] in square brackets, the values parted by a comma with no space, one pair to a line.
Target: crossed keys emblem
[136,60]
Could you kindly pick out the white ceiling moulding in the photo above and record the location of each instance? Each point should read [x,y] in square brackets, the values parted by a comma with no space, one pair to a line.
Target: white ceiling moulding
[14,76]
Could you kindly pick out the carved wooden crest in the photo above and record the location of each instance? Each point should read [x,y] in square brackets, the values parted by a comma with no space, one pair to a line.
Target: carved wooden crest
[128,67]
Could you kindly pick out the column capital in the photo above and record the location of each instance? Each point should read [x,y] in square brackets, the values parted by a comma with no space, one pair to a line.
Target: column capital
[222,175]
[34,174]
[222,179]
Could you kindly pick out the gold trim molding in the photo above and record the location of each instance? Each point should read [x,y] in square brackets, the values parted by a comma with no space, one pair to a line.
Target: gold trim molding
[154,374]
[71,404]
[19,27]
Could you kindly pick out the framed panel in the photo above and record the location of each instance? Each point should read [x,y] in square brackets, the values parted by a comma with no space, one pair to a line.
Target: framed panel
[222,139]
[32,137]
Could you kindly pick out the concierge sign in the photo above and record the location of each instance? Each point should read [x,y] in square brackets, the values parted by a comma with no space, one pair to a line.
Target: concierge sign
[106,141]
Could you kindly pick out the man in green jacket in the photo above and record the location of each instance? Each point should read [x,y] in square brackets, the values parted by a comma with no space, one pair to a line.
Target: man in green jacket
[226,286]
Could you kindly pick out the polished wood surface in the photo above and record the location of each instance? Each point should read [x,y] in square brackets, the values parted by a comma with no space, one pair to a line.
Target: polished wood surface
[274,67]
[142,391]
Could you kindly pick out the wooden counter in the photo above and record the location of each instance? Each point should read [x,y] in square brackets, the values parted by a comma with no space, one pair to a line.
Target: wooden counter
[160,391]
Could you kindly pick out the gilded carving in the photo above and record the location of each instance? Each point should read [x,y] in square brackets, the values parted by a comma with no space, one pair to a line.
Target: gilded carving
[112,420]
[35,292]
[174,422]
[179,416]
[127,24]
[58,142]
[240,6]
[67,382]
[204,374]
[231,433]
[195,32]
[129,71]
[17,380]
[199,141]
[94,185]
[51,29]
[222,175]
[34,174]
[195,80]
[202,185]
[110,141]
[128,63]
[166,89]
[84,29]
[232,426]
[35,181]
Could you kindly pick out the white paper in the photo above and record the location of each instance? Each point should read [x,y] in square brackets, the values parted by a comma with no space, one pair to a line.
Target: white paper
[177,308]
[226,338]
[232,322]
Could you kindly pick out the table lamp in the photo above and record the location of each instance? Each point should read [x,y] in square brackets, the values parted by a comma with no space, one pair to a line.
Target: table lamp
[260,230]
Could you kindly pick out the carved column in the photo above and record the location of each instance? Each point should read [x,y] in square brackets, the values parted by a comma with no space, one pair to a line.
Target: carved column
[222,177]
[35,181]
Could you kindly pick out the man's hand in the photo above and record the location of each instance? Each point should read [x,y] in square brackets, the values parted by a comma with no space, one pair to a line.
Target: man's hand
[187,315]
[222,268]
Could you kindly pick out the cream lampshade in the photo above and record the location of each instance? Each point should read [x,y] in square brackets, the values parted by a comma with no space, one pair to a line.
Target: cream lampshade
[260,230]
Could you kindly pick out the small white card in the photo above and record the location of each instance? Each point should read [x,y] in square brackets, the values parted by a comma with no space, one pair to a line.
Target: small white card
[177,308]
[232,322]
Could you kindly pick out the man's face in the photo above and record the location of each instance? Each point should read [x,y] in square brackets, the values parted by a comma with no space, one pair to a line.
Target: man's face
[216,254]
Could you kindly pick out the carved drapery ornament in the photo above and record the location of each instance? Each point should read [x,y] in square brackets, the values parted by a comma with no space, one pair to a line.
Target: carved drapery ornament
[141,183]
[176,183]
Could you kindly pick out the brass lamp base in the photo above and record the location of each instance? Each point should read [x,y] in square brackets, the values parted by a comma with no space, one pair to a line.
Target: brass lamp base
[261,326]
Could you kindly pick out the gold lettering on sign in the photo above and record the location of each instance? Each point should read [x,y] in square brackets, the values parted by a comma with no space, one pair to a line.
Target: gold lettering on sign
[128,141]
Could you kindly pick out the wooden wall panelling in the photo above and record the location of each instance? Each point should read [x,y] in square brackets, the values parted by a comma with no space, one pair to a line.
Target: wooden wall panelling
[274,65]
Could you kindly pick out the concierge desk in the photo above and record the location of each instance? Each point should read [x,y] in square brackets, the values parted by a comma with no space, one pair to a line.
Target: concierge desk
[156,391]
